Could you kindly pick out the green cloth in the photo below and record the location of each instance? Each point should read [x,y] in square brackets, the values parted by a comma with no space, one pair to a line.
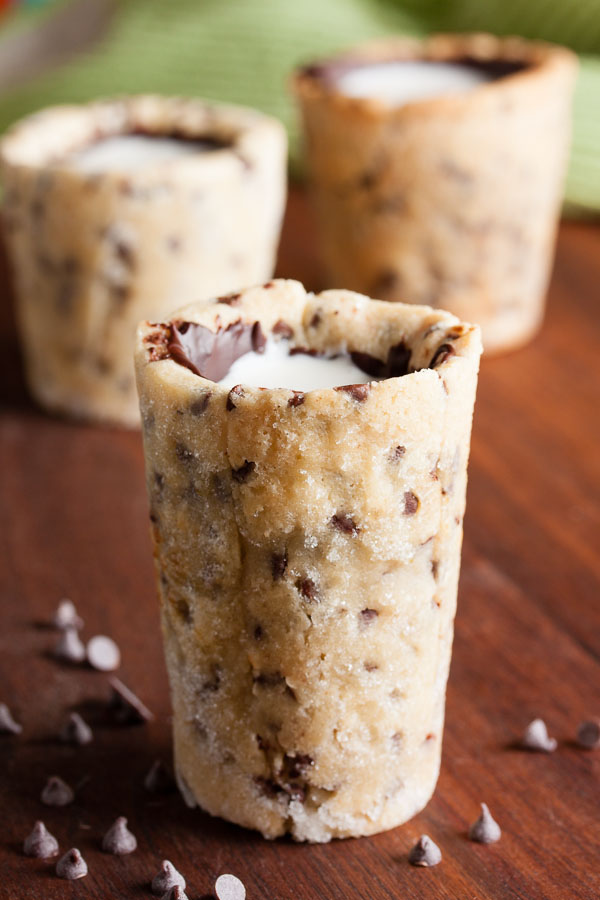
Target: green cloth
[244,50]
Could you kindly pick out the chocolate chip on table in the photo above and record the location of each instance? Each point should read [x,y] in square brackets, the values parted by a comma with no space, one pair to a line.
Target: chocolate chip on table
[57,792]
[159,779]
[70,647]
[279,563]
[175,893]
[411,503]
[344,523]
[72,865]
[127,708]
[425,853]
[167,878]
[40,844]
[76,731]
[358,392]
[228,887]
[118,839]
[535,737]
[66,616]
[485,830]
[240,475]
[103,654]
[7,723]
[588,734]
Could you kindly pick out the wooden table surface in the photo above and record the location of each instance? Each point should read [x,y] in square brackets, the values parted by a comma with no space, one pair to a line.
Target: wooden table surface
[75,523]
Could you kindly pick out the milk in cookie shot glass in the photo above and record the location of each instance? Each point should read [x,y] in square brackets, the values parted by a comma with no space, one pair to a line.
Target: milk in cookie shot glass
[306,461]
[121,210]
[436,169]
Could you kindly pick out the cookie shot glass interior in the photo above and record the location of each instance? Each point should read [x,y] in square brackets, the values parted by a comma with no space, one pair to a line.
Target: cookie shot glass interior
[306,460]
[121,210]
[437,168]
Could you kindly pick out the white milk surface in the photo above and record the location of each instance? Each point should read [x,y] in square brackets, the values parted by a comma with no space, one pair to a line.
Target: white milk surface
[400,82]
[277,368]
[129,152]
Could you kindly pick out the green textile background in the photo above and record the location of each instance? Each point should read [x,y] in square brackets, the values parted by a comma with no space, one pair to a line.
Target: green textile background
[243,51]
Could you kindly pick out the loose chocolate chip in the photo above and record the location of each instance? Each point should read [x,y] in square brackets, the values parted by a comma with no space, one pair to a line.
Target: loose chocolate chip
[118,839]
[358,392]
[308,589]
[297,399]
[368,615]
[72,865]
[40,843]
[425,853]
[411,503]
[283,329]
[7,723]
[76,731]
[103,654]
[127,708]
[57,792]
[167,878]
[485,830]
[536,737]
[66,616]
[236,391]
[588,734]
[240,475]
[159,779]
[397,453]
[183,453]
[443,352]
[175,893]
[70,648]
[279,563]
[199,406]
[344,523]
[228,887]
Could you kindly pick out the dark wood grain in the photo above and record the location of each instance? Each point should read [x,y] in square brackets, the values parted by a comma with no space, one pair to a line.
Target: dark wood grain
[74,523]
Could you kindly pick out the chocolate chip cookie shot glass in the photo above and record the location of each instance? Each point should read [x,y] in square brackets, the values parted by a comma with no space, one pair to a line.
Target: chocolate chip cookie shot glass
[121,210]
[306,465]
[437,171]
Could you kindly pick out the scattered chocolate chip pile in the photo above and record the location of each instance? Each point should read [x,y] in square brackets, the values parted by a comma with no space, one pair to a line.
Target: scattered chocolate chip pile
[57,792]
[76,731]
[485,830]
[588,734]
[72,865]
[118,839]
[228,887]
[7,723]
[425,853]
[40,844]
[536,737]
[166,878]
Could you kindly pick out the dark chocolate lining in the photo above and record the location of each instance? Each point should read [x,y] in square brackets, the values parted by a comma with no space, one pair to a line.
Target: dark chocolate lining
[212,353]
[330,71]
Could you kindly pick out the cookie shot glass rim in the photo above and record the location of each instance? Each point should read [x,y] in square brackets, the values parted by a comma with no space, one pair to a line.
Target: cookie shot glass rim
[38,143]
[536,60]
[154,343]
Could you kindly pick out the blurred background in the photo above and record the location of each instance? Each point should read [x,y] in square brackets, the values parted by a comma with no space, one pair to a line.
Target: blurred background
[54,51]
